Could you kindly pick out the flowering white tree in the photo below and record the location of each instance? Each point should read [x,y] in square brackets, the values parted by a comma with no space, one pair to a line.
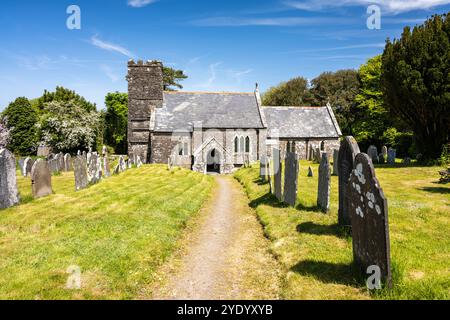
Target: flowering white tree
[67,126]
[5,133]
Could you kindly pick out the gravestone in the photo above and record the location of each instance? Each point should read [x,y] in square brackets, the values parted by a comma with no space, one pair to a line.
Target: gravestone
[117,169]
[384,152]
[122,164]
[53,165]
[335,162]
[392,154]
[106,167]
[323,193]
[88,157]
[67,162]
[381,159]
[263,168]
[28,165]
[139,162]
[78,153]
[270,175]
[369,216]
[21,163]
[291,178]
[93,168]
[317,155]
[41,179]
[84,154]
[98,170]
[277,171]
[80,172]
[347,153]
[406,161]
[104,151]
[310,172]
[372,152]
[9,194]
[60,158]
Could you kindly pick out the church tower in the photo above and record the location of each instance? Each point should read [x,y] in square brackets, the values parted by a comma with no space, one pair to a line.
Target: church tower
[145,93]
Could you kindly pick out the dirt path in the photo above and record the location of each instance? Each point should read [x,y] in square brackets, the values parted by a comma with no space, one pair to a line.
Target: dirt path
[224,255]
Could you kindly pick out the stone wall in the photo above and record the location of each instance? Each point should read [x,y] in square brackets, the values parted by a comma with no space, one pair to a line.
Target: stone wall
[145,93]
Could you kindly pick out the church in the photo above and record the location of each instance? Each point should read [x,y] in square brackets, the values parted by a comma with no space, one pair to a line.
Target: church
[217,131]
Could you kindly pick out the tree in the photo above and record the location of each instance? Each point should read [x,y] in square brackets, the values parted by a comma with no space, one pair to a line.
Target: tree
[116,121]
[416,82]
[339,89]
[68,126]
[22,119]
[62,94]
[294,92]
[172,77]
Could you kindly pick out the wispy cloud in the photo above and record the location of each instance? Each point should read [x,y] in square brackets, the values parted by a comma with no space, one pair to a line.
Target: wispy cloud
[270,22]
[356,46]
[237,75]
[212,75]
[95,41]
[109,72]
[388,6]
[44,62]
[140,3]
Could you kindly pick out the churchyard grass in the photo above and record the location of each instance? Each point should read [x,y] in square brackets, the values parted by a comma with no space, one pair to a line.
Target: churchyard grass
[316,253]
[117,232]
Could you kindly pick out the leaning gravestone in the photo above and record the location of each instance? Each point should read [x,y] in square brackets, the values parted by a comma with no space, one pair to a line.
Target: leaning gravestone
[372,152]
[369,216]
[347,153]
[335,162]
[323,193]
[392,154]
[9,194]
[28,165]
[41,179]
[67,162]
[80,172]
[277,170]
[290,178]
[263,168]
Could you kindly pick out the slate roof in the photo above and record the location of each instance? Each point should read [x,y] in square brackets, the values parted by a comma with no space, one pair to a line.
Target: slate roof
[302,122]
[215,110]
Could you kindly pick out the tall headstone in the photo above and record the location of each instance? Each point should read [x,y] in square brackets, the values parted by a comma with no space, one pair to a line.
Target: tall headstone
[347,153]
[369,215]
[67,162]
[106,167]
[41,179]
[21,163]
[122,164]
[9,194]
[372,152]
[270,175]
[335,162]
[277,171]
[323,193]
[392,154]
[93,168]
[291,178]
[384,152]
[28,165]
[80,172]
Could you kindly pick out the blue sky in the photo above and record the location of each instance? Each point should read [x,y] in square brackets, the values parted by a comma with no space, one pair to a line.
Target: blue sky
[222,45]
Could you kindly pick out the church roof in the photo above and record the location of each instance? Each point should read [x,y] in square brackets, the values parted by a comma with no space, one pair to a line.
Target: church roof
[301,122]
[223,110]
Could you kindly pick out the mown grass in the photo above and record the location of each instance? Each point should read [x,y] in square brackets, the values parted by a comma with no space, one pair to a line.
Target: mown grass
[118,232]
[317,254]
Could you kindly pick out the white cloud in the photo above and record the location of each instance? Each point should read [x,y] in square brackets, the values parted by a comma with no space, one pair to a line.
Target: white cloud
[241,22]
[356,46]
[239,74]
[111,47]
[109,72]
[140,3]
[388,6]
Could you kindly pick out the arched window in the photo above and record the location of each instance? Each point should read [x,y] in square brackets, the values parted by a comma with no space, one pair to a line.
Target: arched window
[322,146]
[247,145]
[236,145]
[242,144]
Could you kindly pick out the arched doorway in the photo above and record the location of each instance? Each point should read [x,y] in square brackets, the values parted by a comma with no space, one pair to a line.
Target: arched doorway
[213,164]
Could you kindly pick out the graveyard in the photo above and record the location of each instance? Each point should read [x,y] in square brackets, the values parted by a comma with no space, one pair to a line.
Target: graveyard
[316,253]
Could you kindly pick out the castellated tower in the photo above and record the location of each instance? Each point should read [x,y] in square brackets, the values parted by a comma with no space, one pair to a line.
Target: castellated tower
[145,93]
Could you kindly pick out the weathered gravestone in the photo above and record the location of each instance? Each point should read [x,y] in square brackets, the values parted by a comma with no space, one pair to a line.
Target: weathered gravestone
[92,168]
[104,151]
[106,167]
[21,163]
[384,152]
[53,165]
[392,154]
[372,152]
[9,194]
[98,170]
[122,164]
[270,175]
[80,172]
[381,159]
[41,179]
[310,172]
[347,153]
[291,178]
[277,170]
[335,162]
[323,192]
[28,165]
[61,164]
[369,216]
[263,168]
[139,162]
[67,162]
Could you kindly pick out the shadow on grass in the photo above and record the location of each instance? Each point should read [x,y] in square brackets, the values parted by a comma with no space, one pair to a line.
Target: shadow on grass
[260,182]
[326,272]
[328,230]
[313,208]
[267,199]
[435,190]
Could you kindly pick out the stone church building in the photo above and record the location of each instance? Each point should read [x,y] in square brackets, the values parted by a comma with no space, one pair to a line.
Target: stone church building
[217,131]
